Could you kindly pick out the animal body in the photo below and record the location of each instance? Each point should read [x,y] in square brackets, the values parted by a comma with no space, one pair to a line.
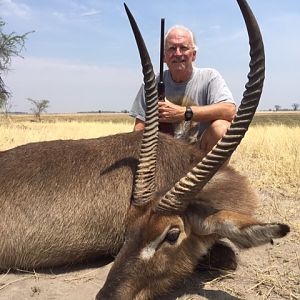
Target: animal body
[156,202]
[67,201]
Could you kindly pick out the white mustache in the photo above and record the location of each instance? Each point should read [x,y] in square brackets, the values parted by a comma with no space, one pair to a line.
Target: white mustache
[178,59]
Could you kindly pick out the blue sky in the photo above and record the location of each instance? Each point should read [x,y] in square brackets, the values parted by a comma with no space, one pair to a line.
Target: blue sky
[82,55]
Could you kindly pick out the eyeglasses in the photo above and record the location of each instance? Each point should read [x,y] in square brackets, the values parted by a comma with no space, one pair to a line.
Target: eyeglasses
[182,49]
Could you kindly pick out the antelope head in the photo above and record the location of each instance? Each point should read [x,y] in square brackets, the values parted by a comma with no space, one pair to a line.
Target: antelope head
[168,232]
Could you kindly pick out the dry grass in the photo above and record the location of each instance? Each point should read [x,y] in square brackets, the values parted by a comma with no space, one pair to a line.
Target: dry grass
[289,118]
[80,117]
[13,134]
[271,155]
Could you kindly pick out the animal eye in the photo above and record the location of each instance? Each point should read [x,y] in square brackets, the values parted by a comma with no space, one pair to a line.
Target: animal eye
[172,235]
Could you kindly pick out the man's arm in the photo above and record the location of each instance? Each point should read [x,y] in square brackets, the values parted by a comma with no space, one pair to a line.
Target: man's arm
[170,112]
[138,125]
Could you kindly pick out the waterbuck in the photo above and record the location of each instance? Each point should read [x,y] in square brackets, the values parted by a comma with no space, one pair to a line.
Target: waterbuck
[156,201]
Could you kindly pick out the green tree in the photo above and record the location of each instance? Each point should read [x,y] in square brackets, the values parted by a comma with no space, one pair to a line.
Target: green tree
[38,107]
[11,45]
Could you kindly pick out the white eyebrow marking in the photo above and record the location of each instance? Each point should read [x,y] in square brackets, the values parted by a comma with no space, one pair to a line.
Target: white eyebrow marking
[149,251]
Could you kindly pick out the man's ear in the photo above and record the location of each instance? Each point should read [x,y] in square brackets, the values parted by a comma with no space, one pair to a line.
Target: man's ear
[194,55]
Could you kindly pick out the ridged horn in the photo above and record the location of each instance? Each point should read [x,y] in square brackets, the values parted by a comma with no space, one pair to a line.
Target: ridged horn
[177,198]
[144,183]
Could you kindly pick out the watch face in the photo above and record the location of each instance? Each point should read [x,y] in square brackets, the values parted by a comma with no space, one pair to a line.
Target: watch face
[188,114]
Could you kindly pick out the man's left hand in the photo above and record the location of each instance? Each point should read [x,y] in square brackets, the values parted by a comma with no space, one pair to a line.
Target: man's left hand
[169,112]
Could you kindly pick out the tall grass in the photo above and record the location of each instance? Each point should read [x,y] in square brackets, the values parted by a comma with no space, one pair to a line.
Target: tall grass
[269,154]
[14,134]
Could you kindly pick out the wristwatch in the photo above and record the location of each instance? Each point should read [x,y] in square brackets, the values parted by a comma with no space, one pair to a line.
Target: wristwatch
[188,115]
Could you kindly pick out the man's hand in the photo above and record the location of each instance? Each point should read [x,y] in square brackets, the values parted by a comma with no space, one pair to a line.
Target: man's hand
[169,112]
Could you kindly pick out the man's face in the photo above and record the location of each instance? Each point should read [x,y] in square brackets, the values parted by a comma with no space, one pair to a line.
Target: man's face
[179,53]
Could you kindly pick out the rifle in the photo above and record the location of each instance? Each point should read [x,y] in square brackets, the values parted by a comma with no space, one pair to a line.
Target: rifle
[163,127]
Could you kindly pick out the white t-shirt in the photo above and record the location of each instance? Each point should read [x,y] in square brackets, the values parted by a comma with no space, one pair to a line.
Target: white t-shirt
[206,86]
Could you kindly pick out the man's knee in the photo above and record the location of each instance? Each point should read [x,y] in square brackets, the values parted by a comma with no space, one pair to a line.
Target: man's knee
[213,134]
[218,128]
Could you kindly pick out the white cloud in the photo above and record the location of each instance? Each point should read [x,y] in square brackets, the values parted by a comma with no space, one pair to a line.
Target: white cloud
[82,10]
[91,12]
[75,12]
[11,8]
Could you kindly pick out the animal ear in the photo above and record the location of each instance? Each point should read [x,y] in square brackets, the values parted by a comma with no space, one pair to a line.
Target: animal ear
[242,230]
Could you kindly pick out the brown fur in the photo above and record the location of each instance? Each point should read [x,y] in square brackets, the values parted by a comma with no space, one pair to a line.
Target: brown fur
[62,202]
[72,197]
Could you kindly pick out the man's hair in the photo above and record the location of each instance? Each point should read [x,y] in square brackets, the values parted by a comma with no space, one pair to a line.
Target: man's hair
[184,29]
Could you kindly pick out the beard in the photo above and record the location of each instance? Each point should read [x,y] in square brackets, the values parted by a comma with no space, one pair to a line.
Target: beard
[179,63]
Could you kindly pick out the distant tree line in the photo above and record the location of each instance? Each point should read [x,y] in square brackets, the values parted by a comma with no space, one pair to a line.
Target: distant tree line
[124,111]
[295,107]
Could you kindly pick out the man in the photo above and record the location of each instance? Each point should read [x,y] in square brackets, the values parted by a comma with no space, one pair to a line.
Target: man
[193,95]
[198,96]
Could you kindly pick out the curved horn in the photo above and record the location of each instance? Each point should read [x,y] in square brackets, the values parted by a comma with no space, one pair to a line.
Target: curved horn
[144,178]
[176,199]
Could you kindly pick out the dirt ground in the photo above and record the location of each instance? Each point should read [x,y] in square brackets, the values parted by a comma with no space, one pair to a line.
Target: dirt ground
[267,272]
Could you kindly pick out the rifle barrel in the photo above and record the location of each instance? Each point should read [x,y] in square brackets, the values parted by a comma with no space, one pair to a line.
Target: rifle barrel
[162,48]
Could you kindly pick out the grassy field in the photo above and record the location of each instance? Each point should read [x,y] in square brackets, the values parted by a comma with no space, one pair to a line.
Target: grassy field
[84,117]
[269,155]
[271,143]
[289,118]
